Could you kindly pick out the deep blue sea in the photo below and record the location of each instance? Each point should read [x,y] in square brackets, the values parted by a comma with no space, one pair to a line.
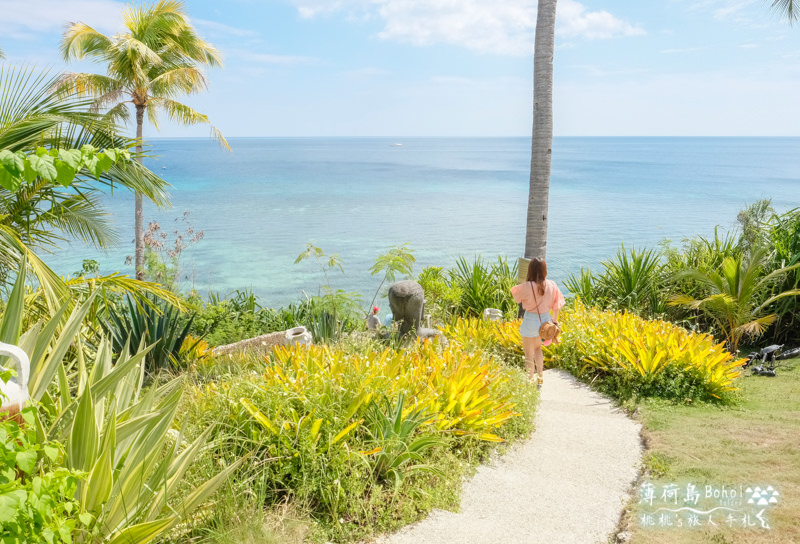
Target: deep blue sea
[445,197]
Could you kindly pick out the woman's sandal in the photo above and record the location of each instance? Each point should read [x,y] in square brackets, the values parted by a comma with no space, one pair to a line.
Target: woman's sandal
[539,381]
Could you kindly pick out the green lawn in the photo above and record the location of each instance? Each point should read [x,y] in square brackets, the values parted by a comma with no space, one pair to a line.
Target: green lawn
[754,443]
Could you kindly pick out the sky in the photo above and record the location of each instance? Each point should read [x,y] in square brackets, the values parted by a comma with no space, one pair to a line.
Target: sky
[463,68]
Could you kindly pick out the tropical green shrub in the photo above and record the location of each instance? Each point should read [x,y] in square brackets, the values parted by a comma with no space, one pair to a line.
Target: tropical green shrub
[469,288]
[37,492]
[737,292]
[499,337]
[584,287]
[484,285]
[222,321]
[630,357]
[442,298]
[151,322]
[115,431]
[322,424]
[784,241]
[632,280]
[399,448]
[678,283]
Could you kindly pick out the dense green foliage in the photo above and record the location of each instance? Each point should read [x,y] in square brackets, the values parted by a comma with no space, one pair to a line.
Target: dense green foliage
[115,430]
[37,491]
[361,437]
[629,358]
[468,289]
[741,286]
[151,322]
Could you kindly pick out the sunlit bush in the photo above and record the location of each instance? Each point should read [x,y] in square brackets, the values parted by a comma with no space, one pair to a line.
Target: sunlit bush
[342,430]
[632,357]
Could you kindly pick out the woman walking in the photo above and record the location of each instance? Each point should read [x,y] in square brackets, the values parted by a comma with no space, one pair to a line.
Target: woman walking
[539,297]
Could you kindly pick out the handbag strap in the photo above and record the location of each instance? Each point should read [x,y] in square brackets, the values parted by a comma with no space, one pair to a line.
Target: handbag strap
[536,301]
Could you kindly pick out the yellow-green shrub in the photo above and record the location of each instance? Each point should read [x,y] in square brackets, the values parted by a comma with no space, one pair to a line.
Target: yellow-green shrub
[312,418]
[459,389]
[630,356]
[501,337]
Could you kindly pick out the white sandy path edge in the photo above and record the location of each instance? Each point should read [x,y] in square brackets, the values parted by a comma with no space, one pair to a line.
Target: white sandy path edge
[567,484]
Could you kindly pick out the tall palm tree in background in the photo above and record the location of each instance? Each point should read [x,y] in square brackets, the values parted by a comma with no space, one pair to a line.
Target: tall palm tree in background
[542,142]
[786,9]
[147,66]
[41,212]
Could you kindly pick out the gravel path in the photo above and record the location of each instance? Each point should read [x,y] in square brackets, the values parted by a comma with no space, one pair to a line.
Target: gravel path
[567,484]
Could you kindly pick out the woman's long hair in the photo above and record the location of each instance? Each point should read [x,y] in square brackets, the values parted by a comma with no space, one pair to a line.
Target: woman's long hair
[537,272]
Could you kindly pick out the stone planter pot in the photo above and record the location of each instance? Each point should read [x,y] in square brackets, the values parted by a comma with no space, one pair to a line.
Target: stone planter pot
[15,392]
[298,335]
[492,314]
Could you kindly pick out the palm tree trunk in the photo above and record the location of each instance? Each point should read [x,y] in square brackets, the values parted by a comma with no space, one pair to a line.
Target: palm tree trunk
[138,227]
[542,142]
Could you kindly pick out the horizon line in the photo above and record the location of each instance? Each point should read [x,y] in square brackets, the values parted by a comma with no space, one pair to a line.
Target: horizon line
[457,137]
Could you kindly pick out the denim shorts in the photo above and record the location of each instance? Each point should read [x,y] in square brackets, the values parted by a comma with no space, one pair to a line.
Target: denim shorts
[531,323]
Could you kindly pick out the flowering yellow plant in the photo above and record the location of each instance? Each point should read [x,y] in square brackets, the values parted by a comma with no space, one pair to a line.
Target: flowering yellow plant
[475,333]
[457,388]
[602,341]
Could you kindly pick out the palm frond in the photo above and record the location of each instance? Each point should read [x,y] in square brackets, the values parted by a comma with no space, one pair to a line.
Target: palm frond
[121,112]
[12,250]
[756,327]
[152,113]
[143,291]
[178,80]
[80,40]
[32,111]
[82,218]
[786,9]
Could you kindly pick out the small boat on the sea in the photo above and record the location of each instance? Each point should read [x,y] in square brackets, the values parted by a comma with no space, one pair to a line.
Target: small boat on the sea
[397,145]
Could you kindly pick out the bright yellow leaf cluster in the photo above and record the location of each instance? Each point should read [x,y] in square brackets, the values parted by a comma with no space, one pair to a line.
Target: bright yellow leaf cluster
[606,340]
[459,389]
[474,333]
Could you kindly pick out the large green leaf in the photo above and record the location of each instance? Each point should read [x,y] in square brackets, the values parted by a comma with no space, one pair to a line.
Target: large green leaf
[82,444]
[97,489]
[42,375]
[11,327]
[141,533]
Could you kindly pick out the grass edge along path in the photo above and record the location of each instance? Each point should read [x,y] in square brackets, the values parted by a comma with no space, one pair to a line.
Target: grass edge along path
[752,443]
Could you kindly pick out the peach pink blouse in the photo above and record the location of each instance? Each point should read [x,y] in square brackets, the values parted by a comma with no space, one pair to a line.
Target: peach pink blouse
[552,299]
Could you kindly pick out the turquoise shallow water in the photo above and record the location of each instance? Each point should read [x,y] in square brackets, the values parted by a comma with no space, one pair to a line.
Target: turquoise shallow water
[261,204]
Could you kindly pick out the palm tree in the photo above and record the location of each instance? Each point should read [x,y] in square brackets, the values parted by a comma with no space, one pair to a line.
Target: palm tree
[40,213]
[736,292]
[33,114]
[147,66]
[542,142]
[2,55]
[785,9]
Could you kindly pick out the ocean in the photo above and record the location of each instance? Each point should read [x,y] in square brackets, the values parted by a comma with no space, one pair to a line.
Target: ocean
[260,205]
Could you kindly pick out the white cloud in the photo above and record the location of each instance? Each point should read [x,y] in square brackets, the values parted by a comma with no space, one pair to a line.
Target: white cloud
[220,28]
[266,58]
[366,73]
[575,20]
[20,18]
[502,27]
[682,50]
[730,9]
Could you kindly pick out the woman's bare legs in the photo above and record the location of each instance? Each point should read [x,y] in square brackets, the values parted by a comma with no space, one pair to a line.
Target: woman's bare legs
[534,358]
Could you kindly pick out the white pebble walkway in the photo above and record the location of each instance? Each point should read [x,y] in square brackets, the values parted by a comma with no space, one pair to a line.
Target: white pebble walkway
[567,484]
